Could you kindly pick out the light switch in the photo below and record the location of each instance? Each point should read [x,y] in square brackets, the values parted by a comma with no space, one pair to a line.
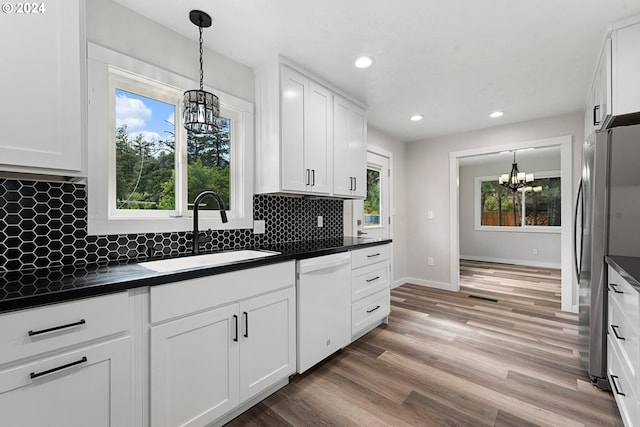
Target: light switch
[429,214]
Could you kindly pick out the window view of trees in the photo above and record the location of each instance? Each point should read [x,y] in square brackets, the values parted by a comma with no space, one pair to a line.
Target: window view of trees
[372,202]
[145,158]
[502,207]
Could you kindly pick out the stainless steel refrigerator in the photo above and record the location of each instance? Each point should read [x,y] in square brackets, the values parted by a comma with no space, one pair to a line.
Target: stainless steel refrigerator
[607,222]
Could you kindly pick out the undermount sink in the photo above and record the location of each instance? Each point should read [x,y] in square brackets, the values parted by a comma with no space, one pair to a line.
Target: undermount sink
[210,260]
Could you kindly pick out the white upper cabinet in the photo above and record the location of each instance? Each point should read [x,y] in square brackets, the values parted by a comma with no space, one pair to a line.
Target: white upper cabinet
[42,85]
[294,139]
[615,90]
[350,149]
[625,52]
[295,135]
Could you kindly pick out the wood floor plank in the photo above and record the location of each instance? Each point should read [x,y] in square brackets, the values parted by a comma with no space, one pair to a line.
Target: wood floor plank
[446,359]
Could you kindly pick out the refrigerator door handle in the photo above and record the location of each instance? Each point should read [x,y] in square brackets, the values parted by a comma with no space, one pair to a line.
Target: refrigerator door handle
[579,203]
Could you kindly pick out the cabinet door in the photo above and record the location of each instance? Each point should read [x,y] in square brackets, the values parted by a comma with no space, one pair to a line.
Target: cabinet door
[626,63]
[294,88]
[319,139]
[41,86]
[268,341]
[350,133]
[194,368]
[86,387]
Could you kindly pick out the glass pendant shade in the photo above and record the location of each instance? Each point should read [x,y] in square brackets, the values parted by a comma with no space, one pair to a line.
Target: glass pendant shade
[201,110]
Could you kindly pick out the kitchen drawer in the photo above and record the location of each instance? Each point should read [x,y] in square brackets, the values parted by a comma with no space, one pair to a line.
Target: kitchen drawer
[624,337]
[38,330]
[368,256]
[369,311]
[622,386]
[369,280]
[169,301]
[625,295]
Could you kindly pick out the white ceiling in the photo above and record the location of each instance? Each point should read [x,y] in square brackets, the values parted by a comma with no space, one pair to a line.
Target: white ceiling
[454,61]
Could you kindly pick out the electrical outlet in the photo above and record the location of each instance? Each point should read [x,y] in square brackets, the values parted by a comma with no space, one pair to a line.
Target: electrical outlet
[259,227]
[320,221]
[430,260]
[429,214]
[535,251]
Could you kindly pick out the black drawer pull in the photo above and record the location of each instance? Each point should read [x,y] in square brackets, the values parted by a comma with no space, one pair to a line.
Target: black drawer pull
[374,255]
[246,324]
[614,328]
[614,287]
[57,328]
[59,368]
[235,318]
[615,386]
[373,309]
[596,111]
[371,280]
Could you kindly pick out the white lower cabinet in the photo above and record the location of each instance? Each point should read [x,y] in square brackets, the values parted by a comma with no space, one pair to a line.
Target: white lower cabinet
[204,365]
[86,387]
[623,347]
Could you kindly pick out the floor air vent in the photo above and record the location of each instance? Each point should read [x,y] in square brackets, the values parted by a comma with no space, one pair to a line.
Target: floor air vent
[483,298]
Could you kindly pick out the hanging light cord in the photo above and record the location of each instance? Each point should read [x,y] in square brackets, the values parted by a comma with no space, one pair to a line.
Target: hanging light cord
[201,74]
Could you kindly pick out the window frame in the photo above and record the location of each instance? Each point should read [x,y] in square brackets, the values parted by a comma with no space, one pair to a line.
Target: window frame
[524,228]
[106,71]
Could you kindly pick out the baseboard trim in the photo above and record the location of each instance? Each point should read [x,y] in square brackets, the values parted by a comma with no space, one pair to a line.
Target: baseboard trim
[399,282]
[513,261]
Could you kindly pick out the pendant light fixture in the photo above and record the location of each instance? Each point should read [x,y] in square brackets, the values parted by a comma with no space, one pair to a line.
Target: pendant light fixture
[516,179]
[201,108]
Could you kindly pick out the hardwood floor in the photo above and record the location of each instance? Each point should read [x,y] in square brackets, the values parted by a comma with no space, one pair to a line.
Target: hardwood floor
[452,359]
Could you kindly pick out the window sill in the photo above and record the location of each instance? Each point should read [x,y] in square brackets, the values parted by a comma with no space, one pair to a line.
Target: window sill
[526,229]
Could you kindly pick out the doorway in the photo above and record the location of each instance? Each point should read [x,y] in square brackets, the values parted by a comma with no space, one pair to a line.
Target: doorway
[372,216]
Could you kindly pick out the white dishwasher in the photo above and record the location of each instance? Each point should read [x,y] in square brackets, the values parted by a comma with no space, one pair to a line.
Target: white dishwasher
[324,307]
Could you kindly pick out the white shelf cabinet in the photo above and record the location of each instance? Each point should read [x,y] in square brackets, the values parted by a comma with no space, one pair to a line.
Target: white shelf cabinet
[623,347]
[294,132]
[370,288]
[222,344]
[615,89]
[350,149]
[67,364]
[43,88]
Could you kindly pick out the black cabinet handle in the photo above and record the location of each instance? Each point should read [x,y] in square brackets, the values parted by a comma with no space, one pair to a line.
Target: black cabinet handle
[596,110]
[59,368]
[373,309]
[614,287]
[355,184]
[307,183]
[313,177]
[57,328]
[371,280]
[614,328]
[235,318]
[246,324]
[615,386]
[374,255]
[350,183]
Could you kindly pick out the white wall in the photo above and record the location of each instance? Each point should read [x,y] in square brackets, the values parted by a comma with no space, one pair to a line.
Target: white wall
[428,186]
[118,28]
[514,247]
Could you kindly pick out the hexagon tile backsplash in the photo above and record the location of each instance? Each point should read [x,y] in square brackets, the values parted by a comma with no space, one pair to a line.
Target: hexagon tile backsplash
[44,224]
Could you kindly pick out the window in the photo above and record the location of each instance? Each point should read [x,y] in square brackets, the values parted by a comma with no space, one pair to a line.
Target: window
[372,202]
[146,171]
[535,207]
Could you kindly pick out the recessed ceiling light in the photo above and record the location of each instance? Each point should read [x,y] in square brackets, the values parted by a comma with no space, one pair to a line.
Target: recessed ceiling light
[496,114]
[417,118]
[364,62]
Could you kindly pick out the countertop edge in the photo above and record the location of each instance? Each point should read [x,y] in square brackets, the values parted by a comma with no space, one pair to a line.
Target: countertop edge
[621,264]
[154,279]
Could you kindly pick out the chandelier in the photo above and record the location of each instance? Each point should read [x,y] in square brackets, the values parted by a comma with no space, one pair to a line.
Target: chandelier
[515,180]
[201,108]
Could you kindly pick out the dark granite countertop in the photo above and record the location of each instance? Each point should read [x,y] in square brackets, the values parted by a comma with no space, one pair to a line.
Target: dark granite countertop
[628,267]
[29,288]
